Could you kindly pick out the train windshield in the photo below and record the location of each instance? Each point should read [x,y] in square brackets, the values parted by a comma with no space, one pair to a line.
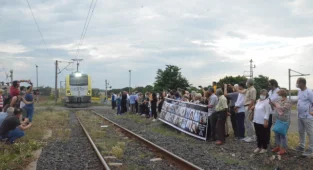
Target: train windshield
[79,81]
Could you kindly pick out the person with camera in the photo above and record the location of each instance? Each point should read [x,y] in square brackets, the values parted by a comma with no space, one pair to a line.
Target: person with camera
[15,88]
[12,128]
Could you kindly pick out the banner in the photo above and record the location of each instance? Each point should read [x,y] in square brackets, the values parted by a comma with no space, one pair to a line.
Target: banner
[189,118]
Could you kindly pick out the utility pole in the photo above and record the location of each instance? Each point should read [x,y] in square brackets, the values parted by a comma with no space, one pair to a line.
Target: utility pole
[106,91]
[289,77]
[11,75]
[37,75]
[56,78]
[56,83]
[130,76]
[251,69]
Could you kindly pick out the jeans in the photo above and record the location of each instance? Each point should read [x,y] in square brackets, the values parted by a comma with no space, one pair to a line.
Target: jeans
[281,140]
[15,134]
[305,125]
[30,113]
[233,120]
[248,124]
[240,118]
[118,110]
[261,134]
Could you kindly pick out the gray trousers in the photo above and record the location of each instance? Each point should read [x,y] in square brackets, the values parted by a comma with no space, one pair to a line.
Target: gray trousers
[248,124]
[305,125]
[132,108]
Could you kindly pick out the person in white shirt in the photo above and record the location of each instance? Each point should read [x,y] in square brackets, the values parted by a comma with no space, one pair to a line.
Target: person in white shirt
[240,113]
[273,97]
[305,116]
[262,111]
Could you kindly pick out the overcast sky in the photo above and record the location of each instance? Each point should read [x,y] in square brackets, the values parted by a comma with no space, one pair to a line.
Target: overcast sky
[207,39]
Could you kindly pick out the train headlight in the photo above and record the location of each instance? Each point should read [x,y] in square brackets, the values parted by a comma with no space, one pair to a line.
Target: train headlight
[68,92]
[88,92]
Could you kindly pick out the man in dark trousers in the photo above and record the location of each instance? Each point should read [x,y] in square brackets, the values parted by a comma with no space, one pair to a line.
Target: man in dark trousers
[12,128]
[113,101]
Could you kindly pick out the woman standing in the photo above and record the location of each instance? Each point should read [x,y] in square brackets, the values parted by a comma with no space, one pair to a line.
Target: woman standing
[282,113]
[154,102]
[261,115]
[160,102]
[124,103]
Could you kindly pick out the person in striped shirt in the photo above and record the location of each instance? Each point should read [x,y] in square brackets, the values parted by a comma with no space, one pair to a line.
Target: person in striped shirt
[1,100]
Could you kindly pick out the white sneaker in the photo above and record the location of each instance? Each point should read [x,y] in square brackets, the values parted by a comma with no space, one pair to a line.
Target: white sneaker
[154,120]
[263,151]
[257,150]
[244,138]
[249,139]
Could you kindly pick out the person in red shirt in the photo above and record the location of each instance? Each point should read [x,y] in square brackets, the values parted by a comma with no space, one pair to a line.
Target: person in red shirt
[15,88]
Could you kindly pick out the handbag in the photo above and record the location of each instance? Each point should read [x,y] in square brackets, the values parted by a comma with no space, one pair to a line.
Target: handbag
[281,127]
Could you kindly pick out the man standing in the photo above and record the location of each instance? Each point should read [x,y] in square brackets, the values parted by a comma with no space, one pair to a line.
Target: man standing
[250,98]
[305,116]
[232,96]
[113,100]
[12,128]
[29,106]
[273,97]
[132,102]
[212,116]
[221,112]
[15,88]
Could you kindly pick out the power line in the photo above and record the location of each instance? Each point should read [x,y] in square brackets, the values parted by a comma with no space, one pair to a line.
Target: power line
[86,24]
[82,34]
[38,27]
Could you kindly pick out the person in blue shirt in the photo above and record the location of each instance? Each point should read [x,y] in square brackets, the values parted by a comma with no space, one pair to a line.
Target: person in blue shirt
[113,101]
[29,107]
[3,115]
[118,103]
[132,102]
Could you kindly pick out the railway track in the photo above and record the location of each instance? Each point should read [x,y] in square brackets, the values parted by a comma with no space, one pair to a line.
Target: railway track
[176,160]
[105,165]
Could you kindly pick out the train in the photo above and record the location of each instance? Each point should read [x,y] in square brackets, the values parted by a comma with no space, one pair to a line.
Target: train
[78,90]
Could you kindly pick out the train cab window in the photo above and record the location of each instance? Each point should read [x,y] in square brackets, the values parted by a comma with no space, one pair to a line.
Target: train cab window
[79,81]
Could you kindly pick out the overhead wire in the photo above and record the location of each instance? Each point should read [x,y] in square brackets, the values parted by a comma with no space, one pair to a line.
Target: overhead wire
[86,25]
[44,41]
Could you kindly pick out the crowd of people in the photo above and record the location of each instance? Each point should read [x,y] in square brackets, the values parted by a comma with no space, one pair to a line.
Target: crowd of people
[252,117]
[148,104]
[17,109]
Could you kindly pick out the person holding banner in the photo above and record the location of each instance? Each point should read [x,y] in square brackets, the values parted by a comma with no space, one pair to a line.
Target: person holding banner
[221,112]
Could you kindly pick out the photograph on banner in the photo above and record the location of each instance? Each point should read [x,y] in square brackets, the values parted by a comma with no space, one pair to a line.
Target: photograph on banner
[187,117]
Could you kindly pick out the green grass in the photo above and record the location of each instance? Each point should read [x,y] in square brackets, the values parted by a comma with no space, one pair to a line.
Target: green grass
[135,117]
[168,131]
[108,144]
[18,155]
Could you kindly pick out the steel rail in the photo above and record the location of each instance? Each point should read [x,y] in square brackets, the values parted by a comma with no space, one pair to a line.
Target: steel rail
[105,165]
[180,161]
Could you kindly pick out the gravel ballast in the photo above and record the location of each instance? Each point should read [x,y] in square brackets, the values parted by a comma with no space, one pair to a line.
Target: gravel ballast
[232,155]
[74,153]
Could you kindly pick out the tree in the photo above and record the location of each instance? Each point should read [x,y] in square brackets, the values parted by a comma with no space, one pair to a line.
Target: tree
[148,88]
[260,83]
[95,92]
[231,80]
[170,79]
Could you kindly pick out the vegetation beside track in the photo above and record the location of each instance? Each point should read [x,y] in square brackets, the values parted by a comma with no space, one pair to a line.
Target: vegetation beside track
[18,155]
